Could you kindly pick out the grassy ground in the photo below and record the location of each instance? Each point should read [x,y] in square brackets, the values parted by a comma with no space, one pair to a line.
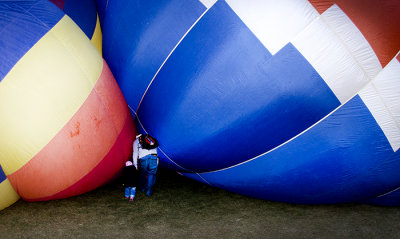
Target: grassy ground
[182,208]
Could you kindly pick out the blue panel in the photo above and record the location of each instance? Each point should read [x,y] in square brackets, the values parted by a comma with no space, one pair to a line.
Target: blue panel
[344,158]
[221,98]
[138,37]
[22,24]
[84,13]
[2,175]
[165,162]
[101,6]
[390,199]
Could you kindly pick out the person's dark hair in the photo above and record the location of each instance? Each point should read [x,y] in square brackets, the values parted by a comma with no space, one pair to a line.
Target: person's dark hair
[148,142]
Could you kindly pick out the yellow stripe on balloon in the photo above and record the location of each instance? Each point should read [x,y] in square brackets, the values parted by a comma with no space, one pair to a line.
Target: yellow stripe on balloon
[44,90]
[8,195]
[97,37]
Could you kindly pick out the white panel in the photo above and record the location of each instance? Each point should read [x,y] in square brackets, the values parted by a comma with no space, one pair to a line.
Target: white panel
[331,59]
[388,85]
[382,97]
[208,3]
[274,22]
[353,39]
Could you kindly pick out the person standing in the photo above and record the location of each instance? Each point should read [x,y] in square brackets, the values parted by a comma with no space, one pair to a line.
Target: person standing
[145,154]
[129,180]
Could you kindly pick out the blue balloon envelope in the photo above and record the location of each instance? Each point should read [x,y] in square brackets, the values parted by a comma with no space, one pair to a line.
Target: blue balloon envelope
[270,100]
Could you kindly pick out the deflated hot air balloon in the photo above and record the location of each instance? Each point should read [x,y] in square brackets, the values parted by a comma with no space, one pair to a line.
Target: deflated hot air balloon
[65,127]
[294,101]
[84,14]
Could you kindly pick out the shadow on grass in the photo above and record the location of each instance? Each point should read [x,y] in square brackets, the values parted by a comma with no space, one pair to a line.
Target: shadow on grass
[182,208]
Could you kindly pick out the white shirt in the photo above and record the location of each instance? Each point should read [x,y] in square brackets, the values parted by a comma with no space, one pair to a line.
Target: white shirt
[139,152]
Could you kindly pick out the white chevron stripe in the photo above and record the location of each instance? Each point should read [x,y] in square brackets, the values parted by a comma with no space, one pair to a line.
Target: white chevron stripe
[332,58]
[275,23]
[382,97]
[208,3]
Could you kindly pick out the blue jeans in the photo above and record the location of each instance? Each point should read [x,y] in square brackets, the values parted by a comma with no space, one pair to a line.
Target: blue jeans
[148,169]
[130,191]
[149,164]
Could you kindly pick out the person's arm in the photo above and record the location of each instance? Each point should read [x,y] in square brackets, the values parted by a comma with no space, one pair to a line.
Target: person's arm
[135,152]
[158,157]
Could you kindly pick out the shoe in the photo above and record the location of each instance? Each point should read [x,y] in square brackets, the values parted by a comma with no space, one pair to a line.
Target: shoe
[149,193]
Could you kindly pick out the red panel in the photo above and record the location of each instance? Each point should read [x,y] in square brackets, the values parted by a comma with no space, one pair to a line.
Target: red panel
[106,169]
[378,21]
[398,57]
[59,3]
[89,136]
[112,97]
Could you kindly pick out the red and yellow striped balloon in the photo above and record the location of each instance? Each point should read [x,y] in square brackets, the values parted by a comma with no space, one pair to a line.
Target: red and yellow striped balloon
[65,127]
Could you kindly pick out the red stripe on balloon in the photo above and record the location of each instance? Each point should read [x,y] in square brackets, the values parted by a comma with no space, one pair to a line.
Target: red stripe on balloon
[378,21]
[87,138]
[59,3]
[106,169]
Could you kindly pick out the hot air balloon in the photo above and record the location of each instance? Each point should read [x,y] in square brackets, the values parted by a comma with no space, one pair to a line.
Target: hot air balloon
[65,127]
[278,100]
[84,14]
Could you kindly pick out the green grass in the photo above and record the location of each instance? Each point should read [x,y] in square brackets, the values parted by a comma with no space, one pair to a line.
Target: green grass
[182,208]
